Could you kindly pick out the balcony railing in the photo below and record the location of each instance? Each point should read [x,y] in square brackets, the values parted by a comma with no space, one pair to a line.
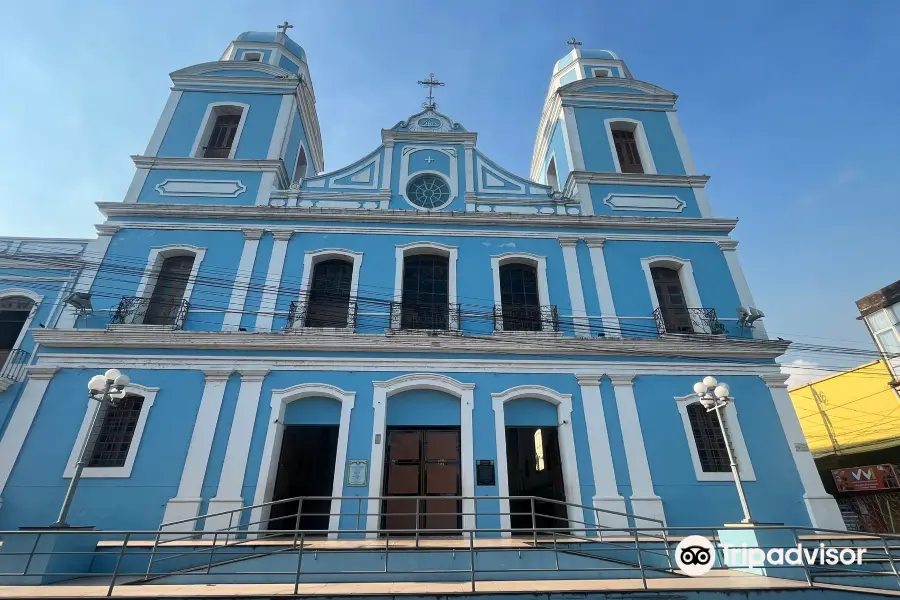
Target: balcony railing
[688,320]
[147,311]
[323,312]
[216,151]
[526,318]
[430,317]
[13,364]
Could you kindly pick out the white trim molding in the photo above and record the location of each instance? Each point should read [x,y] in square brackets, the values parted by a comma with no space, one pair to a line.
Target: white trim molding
[232,320]
[745,467]
[681,142]
[158,254]
[213,111]
[571,483]
[133,389]
[540,265]
[640,138]
[383,390]
[267,303]
[312,258]
[96,249]
[413,248]
[36,300]
[685,276]
[265,485]
[611,326]
[452,179]
[576,292]
[162,126]
[745,297]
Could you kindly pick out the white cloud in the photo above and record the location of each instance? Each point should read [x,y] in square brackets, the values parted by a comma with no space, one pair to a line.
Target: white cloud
[802,372]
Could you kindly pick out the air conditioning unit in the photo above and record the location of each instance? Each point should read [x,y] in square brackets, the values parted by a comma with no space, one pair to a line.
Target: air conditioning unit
[81,302]
[747,316]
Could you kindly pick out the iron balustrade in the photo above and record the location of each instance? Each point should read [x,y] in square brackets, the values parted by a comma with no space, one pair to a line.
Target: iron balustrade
[687,320]
[323,311]
[13,364]
[430,317]
[526,318]
[133,310]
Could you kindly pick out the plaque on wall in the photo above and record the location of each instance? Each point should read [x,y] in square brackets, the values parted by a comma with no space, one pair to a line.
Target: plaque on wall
[357,473]
[484,473]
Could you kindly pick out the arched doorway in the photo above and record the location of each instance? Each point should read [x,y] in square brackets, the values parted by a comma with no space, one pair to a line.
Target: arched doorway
[15,314]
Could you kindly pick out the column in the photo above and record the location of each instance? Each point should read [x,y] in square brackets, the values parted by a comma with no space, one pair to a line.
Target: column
[376,460]
[822,507]
[20,423]
[385,191]
[611,327]
[186,503]
[93,254]
[576,294]
[467,455]
[606,492]
[162,126]
[729,249]
[231,481]
[644,501]
[273,281]
[232,321]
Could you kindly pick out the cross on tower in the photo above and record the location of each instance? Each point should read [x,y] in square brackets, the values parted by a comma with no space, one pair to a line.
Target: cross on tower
[431,83]
[574,43]
[285,26]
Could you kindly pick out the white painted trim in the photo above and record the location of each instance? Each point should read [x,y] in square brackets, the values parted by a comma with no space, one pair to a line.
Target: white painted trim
[404,250]
[640,137]
[36,300]
[569,457]
[745,467]
[96,249]
[681,141]
[539,263]
[702,202]
[265,485]
[745,297]
[685,275]
[553,185]
[470,169]
[149,396]
[158,254]
[576,293]
[452,180]
[607,70]
[266,314]
[162,126]
[301,151]
[388,163]
[567,144]
[382,392]
[232,319]
[644,501]
[209,121]
[280,131]
[313,257]
[611,325]
[570,127]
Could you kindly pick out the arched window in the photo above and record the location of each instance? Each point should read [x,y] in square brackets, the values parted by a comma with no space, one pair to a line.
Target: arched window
[329,294]
[426,292]
[552,178]
[14,313]
[627,151]
[628,142]
[672,303]
[221,130]
[708,439]
[166,305]
[300,167]
[521,305]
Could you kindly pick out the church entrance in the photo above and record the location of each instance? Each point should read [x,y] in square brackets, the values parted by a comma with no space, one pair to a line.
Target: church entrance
[422,462]
[534,468]
[305,468]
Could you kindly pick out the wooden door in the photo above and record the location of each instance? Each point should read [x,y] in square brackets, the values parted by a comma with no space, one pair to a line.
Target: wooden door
[672,303]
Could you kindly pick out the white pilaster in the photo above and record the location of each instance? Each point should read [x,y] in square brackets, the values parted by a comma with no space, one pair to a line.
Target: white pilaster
[606,495]
[570,127]
[376,462]
[232,320]
[231,480]
[729,250]
[611,327]
[20,424]
[186,504]
[576,293]
[266,185]
[280,131]
[94,253]
[821,506]
[644,501]
[273,281]
[470,170]
[467,454]
[681,141]
[162,125]
[388,164]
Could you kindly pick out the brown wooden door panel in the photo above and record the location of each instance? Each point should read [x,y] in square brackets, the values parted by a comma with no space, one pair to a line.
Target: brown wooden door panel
[442,445]
[400,513]
[403,480]
[441,514]
[405,445]
[441,479]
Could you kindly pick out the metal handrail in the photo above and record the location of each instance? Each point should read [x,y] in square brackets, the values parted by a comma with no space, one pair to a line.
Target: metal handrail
[12,365]
[134,310]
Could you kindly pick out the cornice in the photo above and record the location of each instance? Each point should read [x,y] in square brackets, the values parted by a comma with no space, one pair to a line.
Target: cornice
[326,342]
[621,379]
[295,214]
[775,380]
[207,164]
[466,138]
[727,244]
[599,178]
[653,99]
[46,373]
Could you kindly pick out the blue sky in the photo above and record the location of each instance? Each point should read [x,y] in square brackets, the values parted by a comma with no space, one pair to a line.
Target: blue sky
[791,107]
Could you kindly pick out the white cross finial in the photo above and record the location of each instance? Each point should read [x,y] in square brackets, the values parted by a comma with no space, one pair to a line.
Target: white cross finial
[285,26]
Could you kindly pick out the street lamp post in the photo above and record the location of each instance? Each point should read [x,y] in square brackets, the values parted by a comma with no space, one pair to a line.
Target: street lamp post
[714,396]
[108,388]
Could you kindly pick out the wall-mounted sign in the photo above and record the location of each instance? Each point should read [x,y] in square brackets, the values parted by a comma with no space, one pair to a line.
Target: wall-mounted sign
[357,473]
[485,473]
[861,479]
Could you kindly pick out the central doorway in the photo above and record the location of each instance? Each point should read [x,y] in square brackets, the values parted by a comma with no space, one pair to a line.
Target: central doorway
[534,468]
[422,462]
[305,468]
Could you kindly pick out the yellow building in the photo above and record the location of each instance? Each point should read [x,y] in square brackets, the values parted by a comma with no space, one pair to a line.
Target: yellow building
[851,412]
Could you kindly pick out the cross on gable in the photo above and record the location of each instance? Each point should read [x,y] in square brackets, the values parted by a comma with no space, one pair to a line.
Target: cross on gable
[431,83]
[574,43]
[284,26]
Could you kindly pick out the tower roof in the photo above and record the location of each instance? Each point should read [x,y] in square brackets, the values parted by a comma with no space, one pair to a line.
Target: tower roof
[578,53]
[275,38]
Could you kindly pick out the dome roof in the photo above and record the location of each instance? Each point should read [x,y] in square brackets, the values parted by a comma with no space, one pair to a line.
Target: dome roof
[598,54]
[267,36]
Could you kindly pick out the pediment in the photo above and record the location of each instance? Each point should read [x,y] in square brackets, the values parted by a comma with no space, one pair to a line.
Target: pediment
[615,85]
[233,68]
[429,120]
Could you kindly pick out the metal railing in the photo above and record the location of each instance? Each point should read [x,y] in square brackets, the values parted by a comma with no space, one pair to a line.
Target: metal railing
[133,310]
[13,364]
[688,320]
[323,311]
[430,317]
[526,318]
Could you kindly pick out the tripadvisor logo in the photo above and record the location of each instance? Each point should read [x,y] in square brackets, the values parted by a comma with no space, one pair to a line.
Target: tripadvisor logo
[695,556]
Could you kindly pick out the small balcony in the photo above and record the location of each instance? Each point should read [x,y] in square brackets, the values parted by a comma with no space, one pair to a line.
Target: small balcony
[337,313]
[164,313]
[424,317]
[701,321]
[12,367]
[526,318]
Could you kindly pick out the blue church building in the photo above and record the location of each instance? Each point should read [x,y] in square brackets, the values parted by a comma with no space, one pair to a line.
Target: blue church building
[415,339]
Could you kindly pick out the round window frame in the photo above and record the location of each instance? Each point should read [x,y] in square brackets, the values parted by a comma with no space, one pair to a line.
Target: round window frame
[440,176]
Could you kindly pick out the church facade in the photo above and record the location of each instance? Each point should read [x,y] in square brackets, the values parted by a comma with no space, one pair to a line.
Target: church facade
[415,339]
